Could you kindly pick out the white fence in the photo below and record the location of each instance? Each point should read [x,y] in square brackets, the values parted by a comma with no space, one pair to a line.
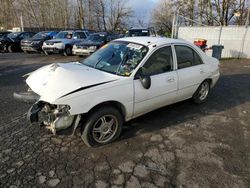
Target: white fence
[235,39]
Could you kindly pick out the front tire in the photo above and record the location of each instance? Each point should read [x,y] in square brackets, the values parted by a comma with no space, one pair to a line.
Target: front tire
[10,48]
[68,51]
[103,126]
[47,53]
[201,94]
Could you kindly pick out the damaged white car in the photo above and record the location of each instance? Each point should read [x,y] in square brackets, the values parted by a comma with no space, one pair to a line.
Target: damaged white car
[124,79]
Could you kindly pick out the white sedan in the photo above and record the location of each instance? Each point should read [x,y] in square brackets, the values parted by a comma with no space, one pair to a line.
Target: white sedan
[126,78]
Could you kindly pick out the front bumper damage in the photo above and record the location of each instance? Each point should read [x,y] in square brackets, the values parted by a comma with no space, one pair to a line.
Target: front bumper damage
[53,117]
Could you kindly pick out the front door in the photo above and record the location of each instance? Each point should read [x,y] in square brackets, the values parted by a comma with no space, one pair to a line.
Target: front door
[163,89]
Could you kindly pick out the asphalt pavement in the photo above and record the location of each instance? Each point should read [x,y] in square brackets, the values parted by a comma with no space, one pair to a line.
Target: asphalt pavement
[182,145]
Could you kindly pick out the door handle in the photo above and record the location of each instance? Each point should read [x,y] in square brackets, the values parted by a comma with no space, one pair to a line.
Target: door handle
[170,79]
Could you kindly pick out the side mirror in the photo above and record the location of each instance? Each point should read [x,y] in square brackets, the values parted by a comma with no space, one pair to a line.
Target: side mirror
[145,80]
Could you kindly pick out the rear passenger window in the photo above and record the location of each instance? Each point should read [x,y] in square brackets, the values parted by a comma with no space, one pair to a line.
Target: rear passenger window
[159,62]
[186,57]
[197,59]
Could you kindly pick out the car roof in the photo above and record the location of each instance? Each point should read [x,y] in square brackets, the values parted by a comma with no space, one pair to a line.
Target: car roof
[146,41]
[78,30]
[100,33]
[140,28]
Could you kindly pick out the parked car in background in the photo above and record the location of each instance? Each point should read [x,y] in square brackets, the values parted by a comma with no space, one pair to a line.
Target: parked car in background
[4,34]
[140,32]
[121,81]
[64,41]
[92,43]
[12,43]
[35,43]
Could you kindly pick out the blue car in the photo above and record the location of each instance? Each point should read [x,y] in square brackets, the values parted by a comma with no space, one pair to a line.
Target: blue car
[35,43]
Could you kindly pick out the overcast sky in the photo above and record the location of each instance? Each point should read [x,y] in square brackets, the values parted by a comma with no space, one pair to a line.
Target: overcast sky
[142,8]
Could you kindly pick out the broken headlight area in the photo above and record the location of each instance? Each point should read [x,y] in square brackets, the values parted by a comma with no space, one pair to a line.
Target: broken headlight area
[29,96]
[53,117]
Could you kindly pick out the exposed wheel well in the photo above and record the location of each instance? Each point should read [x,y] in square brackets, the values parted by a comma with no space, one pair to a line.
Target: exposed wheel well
[209,80]
[114,104]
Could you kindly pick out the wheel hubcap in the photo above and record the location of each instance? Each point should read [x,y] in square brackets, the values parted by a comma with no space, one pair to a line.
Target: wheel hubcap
[105,128]
[204,91]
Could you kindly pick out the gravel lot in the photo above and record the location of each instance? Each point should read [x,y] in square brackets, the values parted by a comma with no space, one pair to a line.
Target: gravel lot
[182,145]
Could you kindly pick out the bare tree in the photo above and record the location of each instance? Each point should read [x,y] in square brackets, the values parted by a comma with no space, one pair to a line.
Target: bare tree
[117,14]
[162,17]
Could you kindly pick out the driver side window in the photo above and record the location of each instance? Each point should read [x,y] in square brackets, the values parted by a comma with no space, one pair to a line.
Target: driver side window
[21,36]
[159,62]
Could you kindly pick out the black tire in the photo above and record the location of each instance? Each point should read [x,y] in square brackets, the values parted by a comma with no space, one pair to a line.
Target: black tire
[201,94]
[47,53]
[10,48]
[90,137]
[67,51]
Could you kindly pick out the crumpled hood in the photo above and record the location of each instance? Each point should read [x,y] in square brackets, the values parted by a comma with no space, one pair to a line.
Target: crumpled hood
[56,80]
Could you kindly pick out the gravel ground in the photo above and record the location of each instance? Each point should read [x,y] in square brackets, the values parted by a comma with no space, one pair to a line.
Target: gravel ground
[182,145]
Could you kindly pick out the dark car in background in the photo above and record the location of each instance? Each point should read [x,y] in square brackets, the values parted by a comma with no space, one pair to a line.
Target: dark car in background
[92,43]
[12,42]
[140,32]
[35,43]
[4,34]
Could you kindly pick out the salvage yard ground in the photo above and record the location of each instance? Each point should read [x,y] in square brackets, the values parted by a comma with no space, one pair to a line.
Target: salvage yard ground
[183,144]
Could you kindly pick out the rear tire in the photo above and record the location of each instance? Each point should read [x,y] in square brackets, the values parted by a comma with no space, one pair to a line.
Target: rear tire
[103,126]
[201,94]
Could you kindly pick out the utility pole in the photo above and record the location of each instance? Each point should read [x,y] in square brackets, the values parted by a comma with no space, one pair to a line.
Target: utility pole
[173,26]
[247,20]
[175,23]
[245,33]
[21,20]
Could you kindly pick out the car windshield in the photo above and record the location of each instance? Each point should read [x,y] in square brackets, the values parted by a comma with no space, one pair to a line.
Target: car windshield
[117,57]
[13,35]
[138,32]
[41,35]
[63,35]
[96,38]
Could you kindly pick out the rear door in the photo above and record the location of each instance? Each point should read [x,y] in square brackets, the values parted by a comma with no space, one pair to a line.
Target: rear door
[191,70]
[160,67]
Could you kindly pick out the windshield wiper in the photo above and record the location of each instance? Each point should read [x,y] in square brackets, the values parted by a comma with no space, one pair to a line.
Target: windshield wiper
[113,54]
[98,62]
[124,59]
